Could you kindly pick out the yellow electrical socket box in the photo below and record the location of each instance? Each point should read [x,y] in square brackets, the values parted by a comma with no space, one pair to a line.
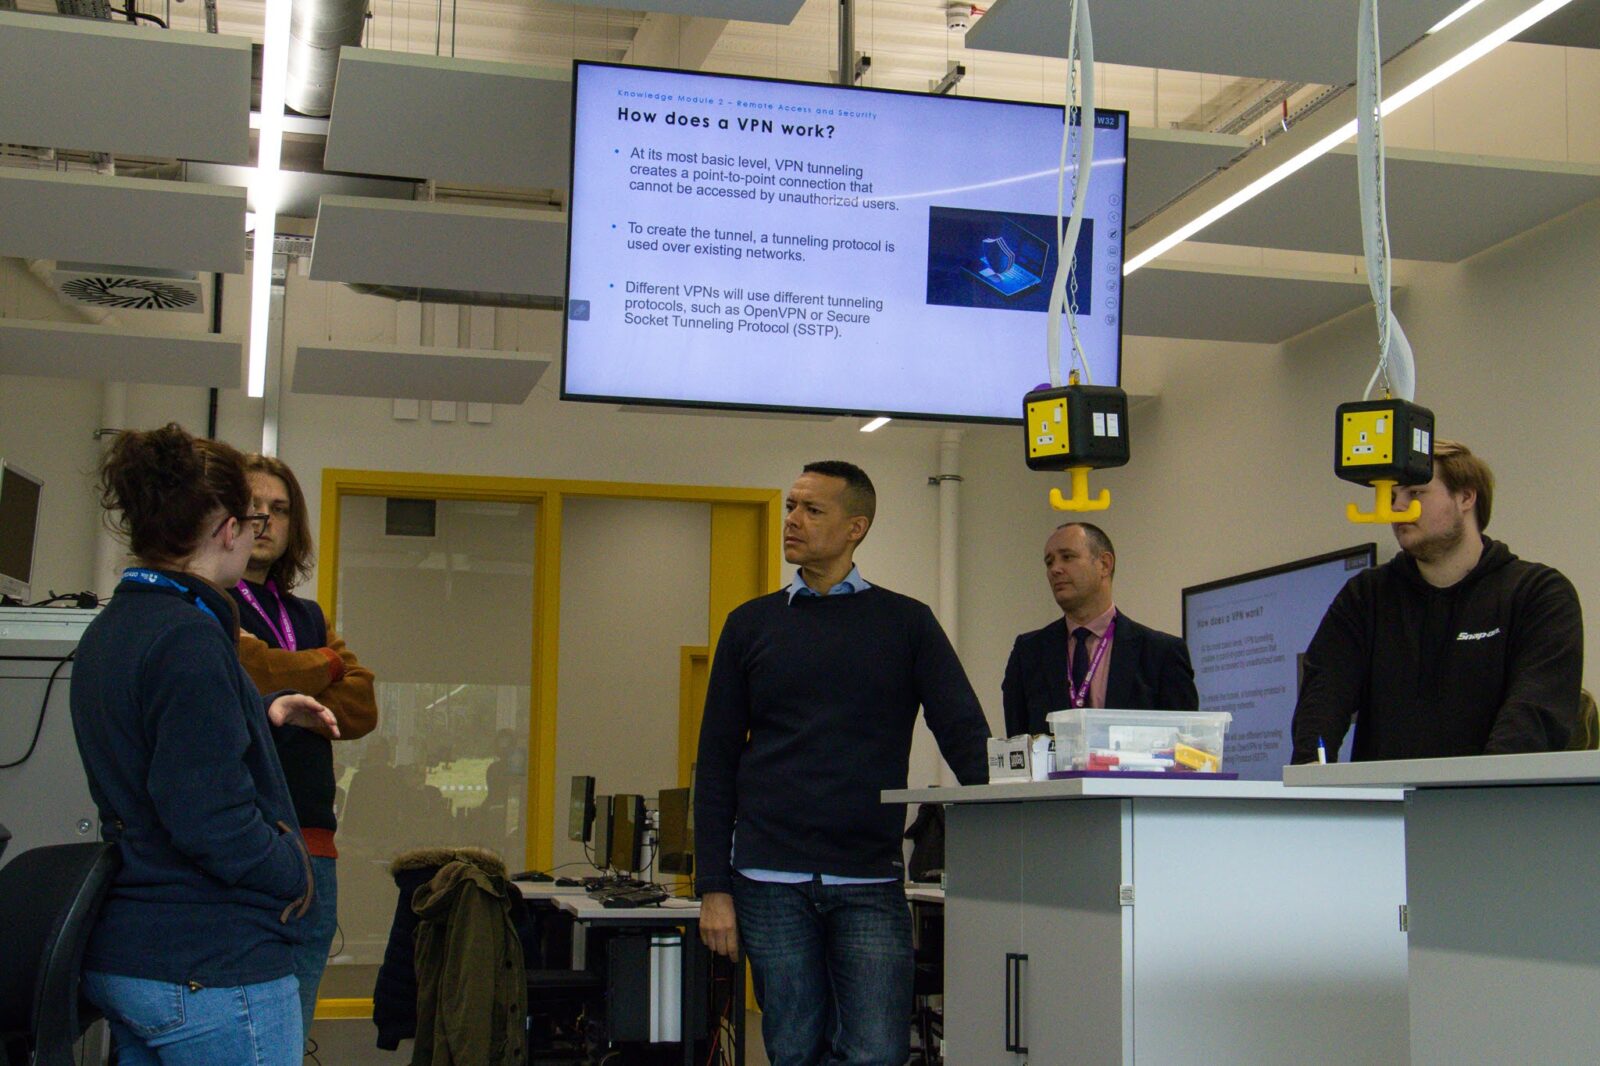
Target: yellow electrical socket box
[1047,427]
[1368,438]
[1383,440]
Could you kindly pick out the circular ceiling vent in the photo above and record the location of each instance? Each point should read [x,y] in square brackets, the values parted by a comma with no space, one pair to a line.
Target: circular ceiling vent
[136,294]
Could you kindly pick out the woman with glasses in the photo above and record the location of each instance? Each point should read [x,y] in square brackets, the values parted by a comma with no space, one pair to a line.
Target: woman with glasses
[192,956]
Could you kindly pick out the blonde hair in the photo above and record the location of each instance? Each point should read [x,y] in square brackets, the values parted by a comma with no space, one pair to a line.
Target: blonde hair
[1460,470]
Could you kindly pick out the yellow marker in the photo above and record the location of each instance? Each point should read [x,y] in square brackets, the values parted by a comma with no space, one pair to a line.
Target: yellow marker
[1195,759]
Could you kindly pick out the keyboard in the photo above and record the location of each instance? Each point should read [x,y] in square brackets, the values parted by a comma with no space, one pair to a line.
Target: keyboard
[648,896]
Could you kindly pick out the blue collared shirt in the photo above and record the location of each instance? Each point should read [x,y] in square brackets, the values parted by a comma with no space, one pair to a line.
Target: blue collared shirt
[853,582]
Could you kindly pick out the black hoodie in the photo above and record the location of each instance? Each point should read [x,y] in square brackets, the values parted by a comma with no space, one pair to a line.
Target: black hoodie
[1491,665]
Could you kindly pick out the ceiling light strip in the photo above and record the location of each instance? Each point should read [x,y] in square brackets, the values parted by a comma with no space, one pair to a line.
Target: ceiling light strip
[1468,55]
[265,187]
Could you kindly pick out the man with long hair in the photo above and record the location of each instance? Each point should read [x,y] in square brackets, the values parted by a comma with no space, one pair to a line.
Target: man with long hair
[286,643]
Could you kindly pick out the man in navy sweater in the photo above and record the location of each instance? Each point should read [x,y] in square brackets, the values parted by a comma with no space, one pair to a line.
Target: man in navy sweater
[809,712]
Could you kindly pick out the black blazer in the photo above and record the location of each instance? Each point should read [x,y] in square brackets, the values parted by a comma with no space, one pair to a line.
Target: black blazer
[1149,671]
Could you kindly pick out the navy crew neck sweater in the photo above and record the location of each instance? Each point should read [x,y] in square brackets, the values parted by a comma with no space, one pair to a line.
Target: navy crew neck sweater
[809,714]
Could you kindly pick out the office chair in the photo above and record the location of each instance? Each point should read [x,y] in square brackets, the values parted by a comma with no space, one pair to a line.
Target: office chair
[49,899]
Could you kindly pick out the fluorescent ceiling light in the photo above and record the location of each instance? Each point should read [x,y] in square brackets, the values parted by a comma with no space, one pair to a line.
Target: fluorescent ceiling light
[1466,57]
[264,189]
[876,424]
[1457,13]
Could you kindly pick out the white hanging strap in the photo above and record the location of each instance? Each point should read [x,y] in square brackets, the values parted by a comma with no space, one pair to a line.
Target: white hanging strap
[1396,368]
[1080,93]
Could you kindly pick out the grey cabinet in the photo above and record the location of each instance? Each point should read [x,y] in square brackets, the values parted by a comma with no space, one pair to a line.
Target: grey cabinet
[1120,924]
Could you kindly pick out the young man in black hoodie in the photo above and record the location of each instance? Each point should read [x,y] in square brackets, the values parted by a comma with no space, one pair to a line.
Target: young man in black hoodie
[1453,647]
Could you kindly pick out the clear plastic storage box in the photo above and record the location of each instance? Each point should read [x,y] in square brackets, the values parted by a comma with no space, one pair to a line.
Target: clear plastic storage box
[1138,741]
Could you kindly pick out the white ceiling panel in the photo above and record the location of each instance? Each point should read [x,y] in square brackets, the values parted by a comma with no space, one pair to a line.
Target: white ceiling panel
[47,214]
[1163,164]
[1234,304]
[1307,41]
[114,87]
[1575,26]
[71,350]
[440,246]
[452,120]
[417,373]
[1441,207]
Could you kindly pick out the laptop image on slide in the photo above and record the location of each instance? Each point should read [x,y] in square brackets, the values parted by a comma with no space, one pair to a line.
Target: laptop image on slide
[1010,261]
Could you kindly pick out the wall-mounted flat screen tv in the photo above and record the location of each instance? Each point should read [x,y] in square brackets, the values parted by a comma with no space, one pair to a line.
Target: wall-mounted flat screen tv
[774,245]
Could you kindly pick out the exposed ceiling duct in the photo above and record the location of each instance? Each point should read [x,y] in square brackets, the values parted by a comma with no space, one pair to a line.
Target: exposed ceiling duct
[317,30]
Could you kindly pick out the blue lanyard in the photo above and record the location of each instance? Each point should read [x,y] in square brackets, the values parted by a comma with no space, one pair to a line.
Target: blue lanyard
[160,580]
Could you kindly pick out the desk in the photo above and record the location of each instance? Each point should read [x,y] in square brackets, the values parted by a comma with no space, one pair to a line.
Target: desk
[1501,878]
[1148,921]
[667,998]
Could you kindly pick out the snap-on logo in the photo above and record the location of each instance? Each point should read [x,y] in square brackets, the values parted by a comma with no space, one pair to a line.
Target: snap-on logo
[1485,635]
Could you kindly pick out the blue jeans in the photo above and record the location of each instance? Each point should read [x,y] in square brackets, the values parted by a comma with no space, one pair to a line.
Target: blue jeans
[155,1022]
[322,921]
[832,969]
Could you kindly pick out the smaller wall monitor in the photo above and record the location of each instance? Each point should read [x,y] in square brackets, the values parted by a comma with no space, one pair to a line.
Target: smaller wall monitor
[19,529]
[676,852]
[580,811]
[1247,636]
[602,832]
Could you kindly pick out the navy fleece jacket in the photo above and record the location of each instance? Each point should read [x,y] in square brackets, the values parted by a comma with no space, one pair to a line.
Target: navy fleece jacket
[181,764]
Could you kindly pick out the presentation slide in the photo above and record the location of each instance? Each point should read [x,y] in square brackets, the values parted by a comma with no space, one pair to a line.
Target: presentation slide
[766,244]
[1246,638]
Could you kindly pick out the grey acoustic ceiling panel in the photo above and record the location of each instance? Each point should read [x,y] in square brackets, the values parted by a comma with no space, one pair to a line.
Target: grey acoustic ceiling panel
[1441,206]
[70,350]
[452,120]
[781,12]
[440,246]
[48,214]
[115,87]
[1234,304]
[1164,164]
[299,192]
[1575,26]
[417,373]
[1309,41]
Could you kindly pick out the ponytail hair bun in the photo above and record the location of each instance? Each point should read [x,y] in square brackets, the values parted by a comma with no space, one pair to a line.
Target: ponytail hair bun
[161,486]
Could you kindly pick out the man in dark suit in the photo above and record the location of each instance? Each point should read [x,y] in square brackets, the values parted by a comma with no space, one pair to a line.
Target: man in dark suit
[1094,655]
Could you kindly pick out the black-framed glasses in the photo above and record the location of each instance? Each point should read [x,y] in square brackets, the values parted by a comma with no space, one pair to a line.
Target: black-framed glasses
[258,521]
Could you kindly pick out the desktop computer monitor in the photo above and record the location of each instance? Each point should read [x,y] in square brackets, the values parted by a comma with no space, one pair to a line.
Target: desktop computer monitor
[627,832]
[19,529]
[676,851]
[580,812]
[602,832]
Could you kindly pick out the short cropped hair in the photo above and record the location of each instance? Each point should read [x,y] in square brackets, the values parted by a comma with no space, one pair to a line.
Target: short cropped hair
[1460,470]
[860,498]
[294,565]
[1099,542]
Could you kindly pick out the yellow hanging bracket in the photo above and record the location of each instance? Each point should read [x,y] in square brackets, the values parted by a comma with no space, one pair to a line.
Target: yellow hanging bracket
[1382,507]
[1079,500]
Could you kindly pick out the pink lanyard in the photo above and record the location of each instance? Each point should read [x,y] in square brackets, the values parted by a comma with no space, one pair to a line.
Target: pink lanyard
[1080,696]
[286,636]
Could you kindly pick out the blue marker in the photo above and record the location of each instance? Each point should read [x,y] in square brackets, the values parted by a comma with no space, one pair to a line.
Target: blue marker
[1322,753]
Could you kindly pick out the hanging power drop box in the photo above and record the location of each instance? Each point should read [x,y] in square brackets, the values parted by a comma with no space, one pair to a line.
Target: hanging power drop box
[1383,440]
[1076,426]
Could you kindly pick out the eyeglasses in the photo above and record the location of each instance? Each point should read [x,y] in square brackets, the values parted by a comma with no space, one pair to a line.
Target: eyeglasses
[257,521]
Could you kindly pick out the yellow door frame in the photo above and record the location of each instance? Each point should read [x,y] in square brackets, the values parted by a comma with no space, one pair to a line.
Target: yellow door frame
[746,527]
